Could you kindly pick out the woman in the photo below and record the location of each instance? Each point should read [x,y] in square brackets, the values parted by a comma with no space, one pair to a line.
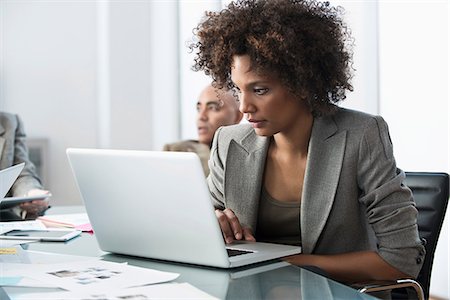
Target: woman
[13,151]
[304,171]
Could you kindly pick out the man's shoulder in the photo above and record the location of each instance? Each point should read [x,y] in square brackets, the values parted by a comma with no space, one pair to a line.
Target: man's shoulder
[8,121]
[7,117]
[186,146]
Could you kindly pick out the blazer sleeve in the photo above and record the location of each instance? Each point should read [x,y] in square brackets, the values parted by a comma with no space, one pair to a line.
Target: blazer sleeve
[28,179]
[390,208]
[215,179]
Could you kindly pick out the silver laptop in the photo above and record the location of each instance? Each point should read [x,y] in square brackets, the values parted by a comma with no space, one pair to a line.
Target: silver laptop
[157,205]
[7,178]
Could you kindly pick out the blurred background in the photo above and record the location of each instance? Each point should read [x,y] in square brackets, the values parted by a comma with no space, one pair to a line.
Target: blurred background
[117,74]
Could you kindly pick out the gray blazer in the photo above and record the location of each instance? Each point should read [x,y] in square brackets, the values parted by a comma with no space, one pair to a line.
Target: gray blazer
[13,151]
[353,196]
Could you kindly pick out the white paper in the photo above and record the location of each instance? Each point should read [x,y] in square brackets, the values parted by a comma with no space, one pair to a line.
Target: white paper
[14,254]
[13,264]
[39,257]
[89,276]
[65,220]
[13,274]
[23,225]
[12,243]
[20,281]
[157,291]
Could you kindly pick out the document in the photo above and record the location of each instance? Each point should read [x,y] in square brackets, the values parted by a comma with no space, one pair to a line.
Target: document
[13,254]
[22,225]
[20,281]
[19,225]
[156,291]
[91,276]
[14,259]
[78,221]
[12,243]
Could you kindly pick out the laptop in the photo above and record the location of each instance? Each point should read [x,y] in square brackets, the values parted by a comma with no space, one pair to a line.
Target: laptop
[157,205]
[8,176]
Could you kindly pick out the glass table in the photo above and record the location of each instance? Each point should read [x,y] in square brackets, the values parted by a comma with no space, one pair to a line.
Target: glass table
[271,280]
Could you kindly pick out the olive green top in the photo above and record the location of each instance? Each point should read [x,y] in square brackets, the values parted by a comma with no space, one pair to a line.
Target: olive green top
[278,221]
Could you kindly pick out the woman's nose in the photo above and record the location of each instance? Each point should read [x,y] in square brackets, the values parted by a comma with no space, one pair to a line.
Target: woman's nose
[245,104]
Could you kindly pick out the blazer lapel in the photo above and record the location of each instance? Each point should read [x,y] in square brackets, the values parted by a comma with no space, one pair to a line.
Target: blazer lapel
[245,164]
[323,167]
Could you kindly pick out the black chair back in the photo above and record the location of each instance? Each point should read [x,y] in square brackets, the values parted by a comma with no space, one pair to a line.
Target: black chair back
[431,194]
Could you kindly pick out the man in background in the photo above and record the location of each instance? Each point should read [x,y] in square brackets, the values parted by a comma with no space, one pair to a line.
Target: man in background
[13,150]
[215,108]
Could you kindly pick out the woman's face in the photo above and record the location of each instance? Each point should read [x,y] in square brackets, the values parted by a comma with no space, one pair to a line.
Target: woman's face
[266,103]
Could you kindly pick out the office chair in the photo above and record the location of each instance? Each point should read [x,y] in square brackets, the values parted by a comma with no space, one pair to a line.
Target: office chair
[431,194]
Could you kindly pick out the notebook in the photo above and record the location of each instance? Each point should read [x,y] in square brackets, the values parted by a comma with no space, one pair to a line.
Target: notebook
[157,205]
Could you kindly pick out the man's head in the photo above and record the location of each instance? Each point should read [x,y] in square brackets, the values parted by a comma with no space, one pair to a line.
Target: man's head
[215,108]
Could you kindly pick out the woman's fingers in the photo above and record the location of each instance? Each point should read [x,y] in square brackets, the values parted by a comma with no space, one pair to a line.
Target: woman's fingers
[248,234]
[229,224]
[234,224]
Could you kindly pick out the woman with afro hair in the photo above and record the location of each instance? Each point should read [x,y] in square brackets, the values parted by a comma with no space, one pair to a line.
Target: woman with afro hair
[304,171]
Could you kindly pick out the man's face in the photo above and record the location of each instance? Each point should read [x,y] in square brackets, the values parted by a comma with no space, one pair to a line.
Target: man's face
[213,112]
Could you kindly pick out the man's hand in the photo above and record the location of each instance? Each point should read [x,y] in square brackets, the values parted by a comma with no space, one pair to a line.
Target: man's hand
[32,209]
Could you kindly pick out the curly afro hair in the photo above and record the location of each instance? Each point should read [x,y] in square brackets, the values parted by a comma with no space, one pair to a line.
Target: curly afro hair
[305,44]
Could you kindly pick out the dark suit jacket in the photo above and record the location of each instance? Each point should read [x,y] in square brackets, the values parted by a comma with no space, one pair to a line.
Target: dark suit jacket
[353,196]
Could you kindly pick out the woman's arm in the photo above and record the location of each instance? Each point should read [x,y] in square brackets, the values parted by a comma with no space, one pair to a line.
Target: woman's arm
[389,205]
[352,267]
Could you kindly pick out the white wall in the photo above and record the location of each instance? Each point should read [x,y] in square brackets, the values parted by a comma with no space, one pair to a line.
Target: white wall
[191,83]
[414,98]
[84,73]
[48,76]
[361,17]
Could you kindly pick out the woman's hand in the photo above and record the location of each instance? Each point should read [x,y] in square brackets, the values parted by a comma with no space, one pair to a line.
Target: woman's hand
[232,228]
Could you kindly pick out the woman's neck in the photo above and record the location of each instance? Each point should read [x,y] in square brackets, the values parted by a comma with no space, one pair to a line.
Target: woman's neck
[296,140]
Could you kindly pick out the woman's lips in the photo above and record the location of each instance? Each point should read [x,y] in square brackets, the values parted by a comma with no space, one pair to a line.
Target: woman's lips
[256,123]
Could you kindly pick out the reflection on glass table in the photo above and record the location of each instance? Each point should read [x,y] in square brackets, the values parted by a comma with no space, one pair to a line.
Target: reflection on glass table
[273,280]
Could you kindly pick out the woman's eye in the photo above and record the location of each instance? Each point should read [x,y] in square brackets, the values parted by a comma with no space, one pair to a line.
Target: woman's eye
[260,91]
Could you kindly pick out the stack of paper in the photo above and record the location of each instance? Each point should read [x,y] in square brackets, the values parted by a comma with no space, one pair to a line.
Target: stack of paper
[88,275]
[77,221]
[23,225]
[88,278]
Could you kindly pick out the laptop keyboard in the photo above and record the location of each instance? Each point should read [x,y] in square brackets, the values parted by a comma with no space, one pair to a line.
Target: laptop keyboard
[236,252]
